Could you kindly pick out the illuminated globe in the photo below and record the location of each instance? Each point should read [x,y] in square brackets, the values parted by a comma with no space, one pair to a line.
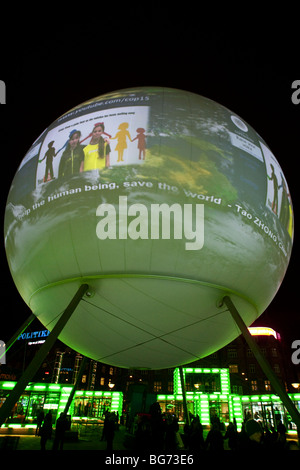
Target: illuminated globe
[162,201]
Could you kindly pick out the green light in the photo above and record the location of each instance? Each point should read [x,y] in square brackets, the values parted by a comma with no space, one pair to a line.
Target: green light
[9,384]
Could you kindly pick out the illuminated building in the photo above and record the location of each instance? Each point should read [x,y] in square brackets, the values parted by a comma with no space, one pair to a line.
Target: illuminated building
[211,398]
[87,406]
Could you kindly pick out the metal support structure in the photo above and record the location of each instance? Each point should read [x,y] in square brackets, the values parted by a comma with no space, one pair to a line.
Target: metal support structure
[22,328]
[78,378]
[186,413]
[276,384]
[40,356]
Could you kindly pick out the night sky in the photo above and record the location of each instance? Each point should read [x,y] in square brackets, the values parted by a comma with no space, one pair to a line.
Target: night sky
[54,66]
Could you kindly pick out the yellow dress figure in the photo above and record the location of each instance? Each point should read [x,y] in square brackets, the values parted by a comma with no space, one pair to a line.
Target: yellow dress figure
[122,135]
[97,152]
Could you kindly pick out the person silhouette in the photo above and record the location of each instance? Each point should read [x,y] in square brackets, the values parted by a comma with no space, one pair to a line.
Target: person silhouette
[141,138]
[273,178]
[49,155]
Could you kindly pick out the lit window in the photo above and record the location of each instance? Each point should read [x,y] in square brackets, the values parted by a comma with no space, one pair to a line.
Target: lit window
[254,387]
[233,368]
[267,386]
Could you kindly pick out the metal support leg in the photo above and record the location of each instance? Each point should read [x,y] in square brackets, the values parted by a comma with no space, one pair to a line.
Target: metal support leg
[40,356]
[75,386]
[18,333]
[187,416]
[276,384]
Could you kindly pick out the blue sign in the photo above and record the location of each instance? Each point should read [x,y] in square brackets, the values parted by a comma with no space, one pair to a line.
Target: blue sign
[34,334]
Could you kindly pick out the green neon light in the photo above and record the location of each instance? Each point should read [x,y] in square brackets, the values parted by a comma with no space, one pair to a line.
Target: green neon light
[9,384]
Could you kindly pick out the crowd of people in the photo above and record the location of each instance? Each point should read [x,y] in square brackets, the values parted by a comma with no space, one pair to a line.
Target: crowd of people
[160,432]
[44,429]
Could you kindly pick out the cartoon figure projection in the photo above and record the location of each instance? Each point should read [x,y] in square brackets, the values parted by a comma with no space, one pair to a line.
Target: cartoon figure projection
[141,138]
[122,135]
[72,159]
[285,215]
[273,178]
[49,155]
[97,152]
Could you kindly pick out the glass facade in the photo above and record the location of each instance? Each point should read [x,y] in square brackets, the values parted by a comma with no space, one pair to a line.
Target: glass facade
[86,405]
[221,403]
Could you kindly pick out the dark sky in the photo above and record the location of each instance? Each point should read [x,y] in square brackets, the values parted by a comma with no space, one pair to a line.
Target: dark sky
[55,65]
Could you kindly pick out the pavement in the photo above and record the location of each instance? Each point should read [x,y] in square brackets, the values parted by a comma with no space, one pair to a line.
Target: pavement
[86,441]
